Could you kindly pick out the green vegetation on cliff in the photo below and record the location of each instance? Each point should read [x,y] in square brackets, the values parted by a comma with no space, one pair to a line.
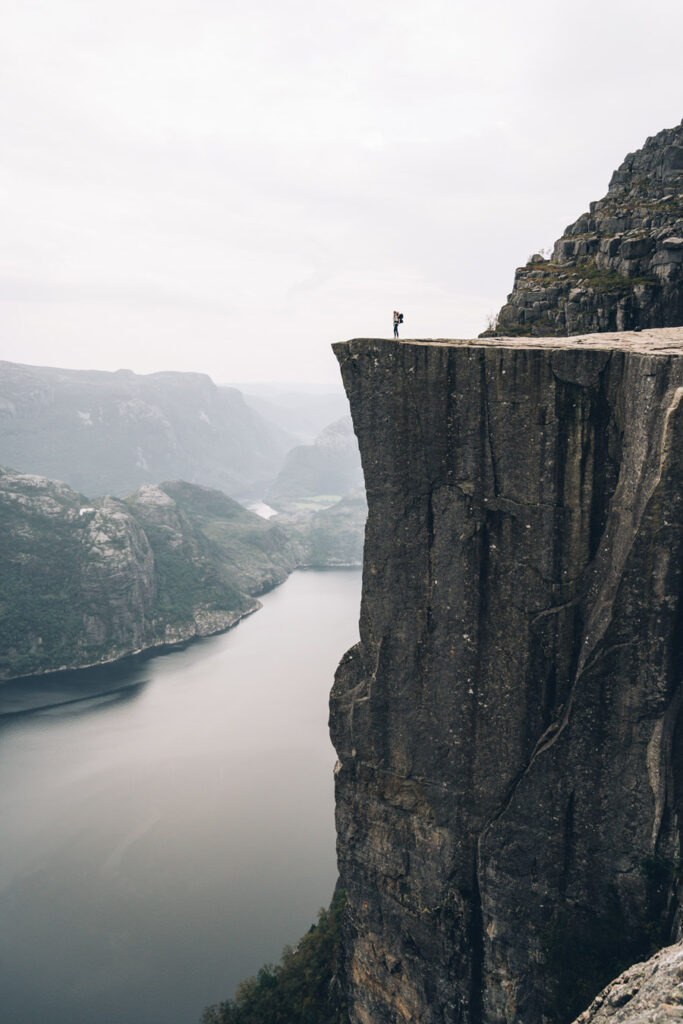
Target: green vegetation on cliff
[86,582]
[38,581]
[301,989]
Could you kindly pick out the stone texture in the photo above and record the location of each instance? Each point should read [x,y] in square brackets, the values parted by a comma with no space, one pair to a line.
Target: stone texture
[619,266]
[647,993]
[510,770]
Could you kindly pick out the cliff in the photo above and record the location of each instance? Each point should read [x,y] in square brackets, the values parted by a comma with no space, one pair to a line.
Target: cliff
[85,582]
[510,771]
[619,266]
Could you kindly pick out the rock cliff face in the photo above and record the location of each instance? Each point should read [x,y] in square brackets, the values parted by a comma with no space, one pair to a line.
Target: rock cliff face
[510,778]
[618,267]
[647,993]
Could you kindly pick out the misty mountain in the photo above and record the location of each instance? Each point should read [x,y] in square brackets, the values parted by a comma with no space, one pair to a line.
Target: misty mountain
[301,413]
[331,536]
[113,432]
[329,469]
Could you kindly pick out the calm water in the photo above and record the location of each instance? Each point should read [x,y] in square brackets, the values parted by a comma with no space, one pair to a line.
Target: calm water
[162,839]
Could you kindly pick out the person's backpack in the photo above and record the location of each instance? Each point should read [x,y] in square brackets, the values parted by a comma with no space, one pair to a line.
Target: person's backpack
[400,318]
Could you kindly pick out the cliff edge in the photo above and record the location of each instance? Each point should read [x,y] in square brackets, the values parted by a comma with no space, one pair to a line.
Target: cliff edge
[510,777]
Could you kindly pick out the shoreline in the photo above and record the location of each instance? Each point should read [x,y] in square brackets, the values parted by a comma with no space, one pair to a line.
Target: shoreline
[166,646]
[149,651]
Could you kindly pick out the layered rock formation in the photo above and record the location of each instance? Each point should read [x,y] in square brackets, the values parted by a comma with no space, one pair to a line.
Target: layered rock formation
[619,266]
[510,776]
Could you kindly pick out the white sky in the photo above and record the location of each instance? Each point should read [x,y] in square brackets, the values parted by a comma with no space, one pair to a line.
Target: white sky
[231,185]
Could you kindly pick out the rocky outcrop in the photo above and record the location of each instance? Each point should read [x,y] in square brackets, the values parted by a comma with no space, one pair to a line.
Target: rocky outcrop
[510,779]
[647,993]
[619,266]
[85,582]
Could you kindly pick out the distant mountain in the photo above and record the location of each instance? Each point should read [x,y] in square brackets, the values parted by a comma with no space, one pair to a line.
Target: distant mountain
[331,536]
[113,432]
[84,582]
[327,470]
[301,414]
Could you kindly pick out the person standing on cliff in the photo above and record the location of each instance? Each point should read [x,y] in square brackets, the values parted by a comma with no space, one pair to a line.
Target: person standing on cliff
[398,319]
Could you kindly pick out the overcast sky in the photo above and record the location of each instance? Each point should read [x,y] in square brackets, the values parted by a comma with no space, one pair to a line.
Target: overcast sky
[231,185]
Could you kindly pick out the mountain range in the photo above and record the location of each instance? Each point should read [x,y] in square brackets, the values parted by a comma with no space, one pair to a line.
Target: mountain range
[110,433]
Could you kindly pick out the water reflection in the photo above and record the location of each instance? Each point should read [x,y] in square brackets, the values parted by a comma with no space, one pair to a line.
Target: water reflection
[167,826]
[66,703]
[45,693]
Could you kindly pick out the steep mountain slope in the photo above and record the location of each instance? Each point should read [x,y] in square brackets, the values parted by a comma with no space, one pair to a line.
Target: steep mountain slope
[509,789]
[112,432]
[85,582]
[618,267]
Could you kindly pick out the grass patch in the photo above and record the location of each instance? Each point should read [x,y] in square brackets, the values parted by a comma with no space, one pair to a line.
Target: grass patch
[583,271]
